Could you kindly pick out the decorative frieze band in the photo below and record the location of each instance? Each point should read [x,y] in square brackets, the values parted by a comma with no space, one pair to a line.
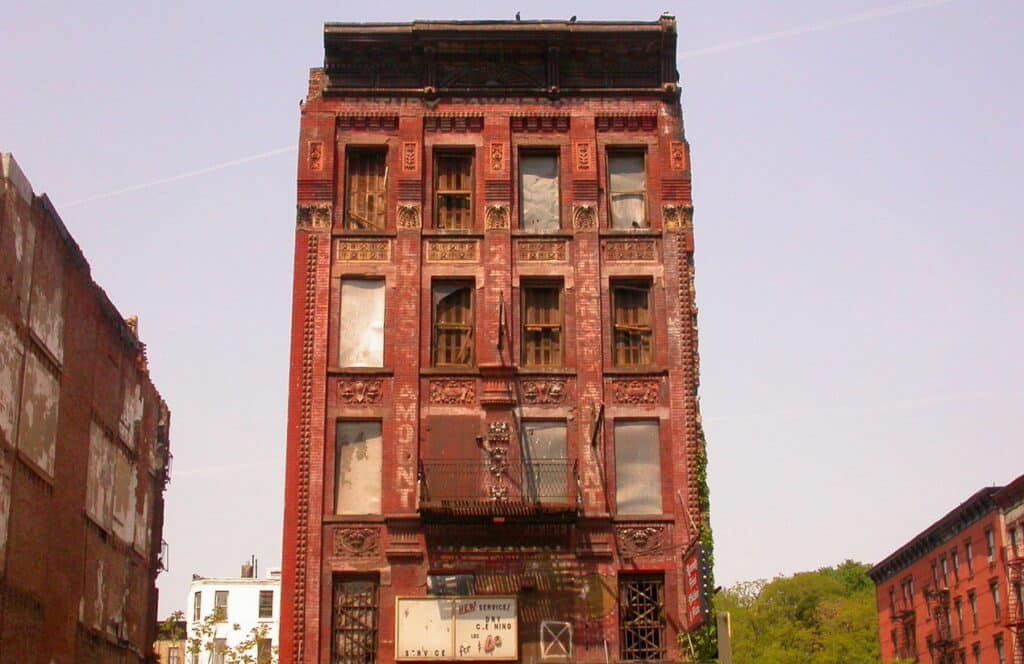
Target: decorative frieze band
[540,122]
[362,251]
[541,250]
[357,542]
[626,122]
[543,391]
[453,391]
[451,251]
[641,540]
[360,391]
[367,122]
[630,250]
[636,391]
[447,122]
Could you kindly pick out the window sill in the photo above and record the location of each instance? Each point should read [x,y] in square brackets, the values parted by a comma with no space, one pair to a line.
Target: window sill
[630,232]
[443,371]
[348,232]
[361,371]
[636,371]
[353,518]
[453,232]
[545,371]
[559,233]
[662,518]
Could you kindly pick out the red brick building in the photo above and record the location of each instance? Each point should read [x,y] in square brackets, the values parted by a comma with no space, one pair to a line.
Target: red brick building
[952,595]
[83,452]
[494,446]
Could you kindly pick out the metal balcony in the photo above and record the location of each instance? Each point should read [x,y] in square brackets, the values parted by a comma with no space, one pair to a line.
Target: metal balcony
[469,487]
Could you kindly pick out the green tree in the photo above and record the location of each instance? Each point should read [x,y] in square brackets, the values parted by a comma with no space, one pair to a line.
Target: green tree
[822,617]
[205,634]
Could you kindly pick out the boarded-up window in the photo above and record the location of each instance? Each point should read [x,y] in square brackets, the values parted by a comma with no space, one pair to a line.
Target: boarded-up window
[542,325]
[361,337]
[642,617]
[453,324]
[37,426]
[453,190]
[631,325]
[546,469]
[538,181]
[12,354]
[353,621]
[637,468]
[367,189]
[357,476]
[627,189]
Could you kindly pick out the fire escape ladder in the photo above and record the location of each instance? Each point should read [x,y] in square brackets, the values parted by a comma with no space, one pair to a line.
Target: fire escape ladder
[903,617]
[943,643]
[1015,605]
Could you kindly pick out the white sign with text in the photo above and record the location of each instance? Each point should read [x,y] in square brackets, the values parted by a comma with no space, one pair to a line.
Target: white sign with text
[456,628]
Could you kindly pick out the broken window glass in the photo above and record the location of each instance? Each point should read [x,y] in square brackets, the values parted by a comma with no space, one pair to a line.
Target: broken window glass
[627,186]
[637,467]
[544,460]
[357,477]
[453,324]
[361,333]
[539,187]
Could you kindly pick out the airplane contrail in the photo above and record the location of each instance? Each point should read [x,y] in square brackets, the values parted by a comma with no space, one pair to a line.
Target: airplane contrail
[829,24]
[181,176]
[821,26]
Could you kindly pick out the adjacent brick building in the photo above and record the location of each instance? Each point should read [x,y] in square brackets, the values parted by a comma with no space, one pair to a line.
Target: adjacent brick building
[952,594]
[494,447]
[83,452]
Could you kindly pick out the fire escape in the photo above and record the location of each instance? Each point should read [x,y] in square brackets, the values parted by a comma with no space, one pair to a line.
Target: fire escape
[943,643]
[1015,608]
[903,619]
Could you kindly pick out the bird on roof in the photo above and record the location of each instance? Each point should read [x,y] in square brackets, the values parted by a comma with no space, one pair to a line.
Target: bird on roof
[517,17]
[572,19]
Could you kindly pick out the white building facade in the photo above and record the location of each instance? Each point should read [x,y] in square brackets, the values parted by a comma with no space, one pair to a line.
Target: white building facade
[241,605]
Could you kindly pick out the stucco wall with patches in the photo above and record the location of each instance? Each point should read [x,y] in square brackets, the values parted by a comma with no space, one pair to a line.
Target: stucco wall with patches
[83,451]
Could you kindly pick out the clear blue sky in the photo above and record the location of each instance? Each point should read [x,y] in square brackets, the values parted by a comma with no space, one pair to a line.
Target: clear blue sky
[857,191]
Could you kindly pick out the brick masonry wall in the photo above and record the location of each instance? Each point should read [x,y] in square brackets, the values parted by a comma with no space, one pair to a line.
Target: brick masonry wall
[397,547]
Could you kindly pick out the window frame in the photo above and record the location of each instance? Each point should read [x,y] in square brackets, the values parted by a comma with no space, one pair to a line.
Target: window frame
[365,640]
[197,606]
[541,151]
[617,286]
[653,630]
[220,606]
[454,152]
[659,484]
[525,334]
[336,479]
[269,612]
[361,151]
[619,151]
[340,317]
[438,328]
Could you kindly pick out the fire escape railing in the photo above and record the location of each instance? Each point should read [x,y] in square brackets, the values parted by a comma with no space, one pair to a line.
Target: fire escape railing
[512,487]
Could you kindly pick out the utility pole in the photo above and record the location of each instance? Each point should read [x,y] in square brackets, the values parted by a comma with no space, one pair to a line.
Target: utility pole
[724,638]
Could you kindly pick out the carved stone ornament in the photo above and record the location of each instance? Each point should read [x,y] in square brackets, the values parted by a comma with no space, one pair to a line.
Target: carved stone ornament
[630,250]
[678,217]
[315,217]
[584,217]
[677,156]
[446,251]
[541,250]
[410,156]
[316,156]
[496,217]
[362,251]
[497,157]
[357,542]
[636,391]
[639,540]
[543,391]
[358,391]
[453,391]
[496,445]
[408,216]
[584,156]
